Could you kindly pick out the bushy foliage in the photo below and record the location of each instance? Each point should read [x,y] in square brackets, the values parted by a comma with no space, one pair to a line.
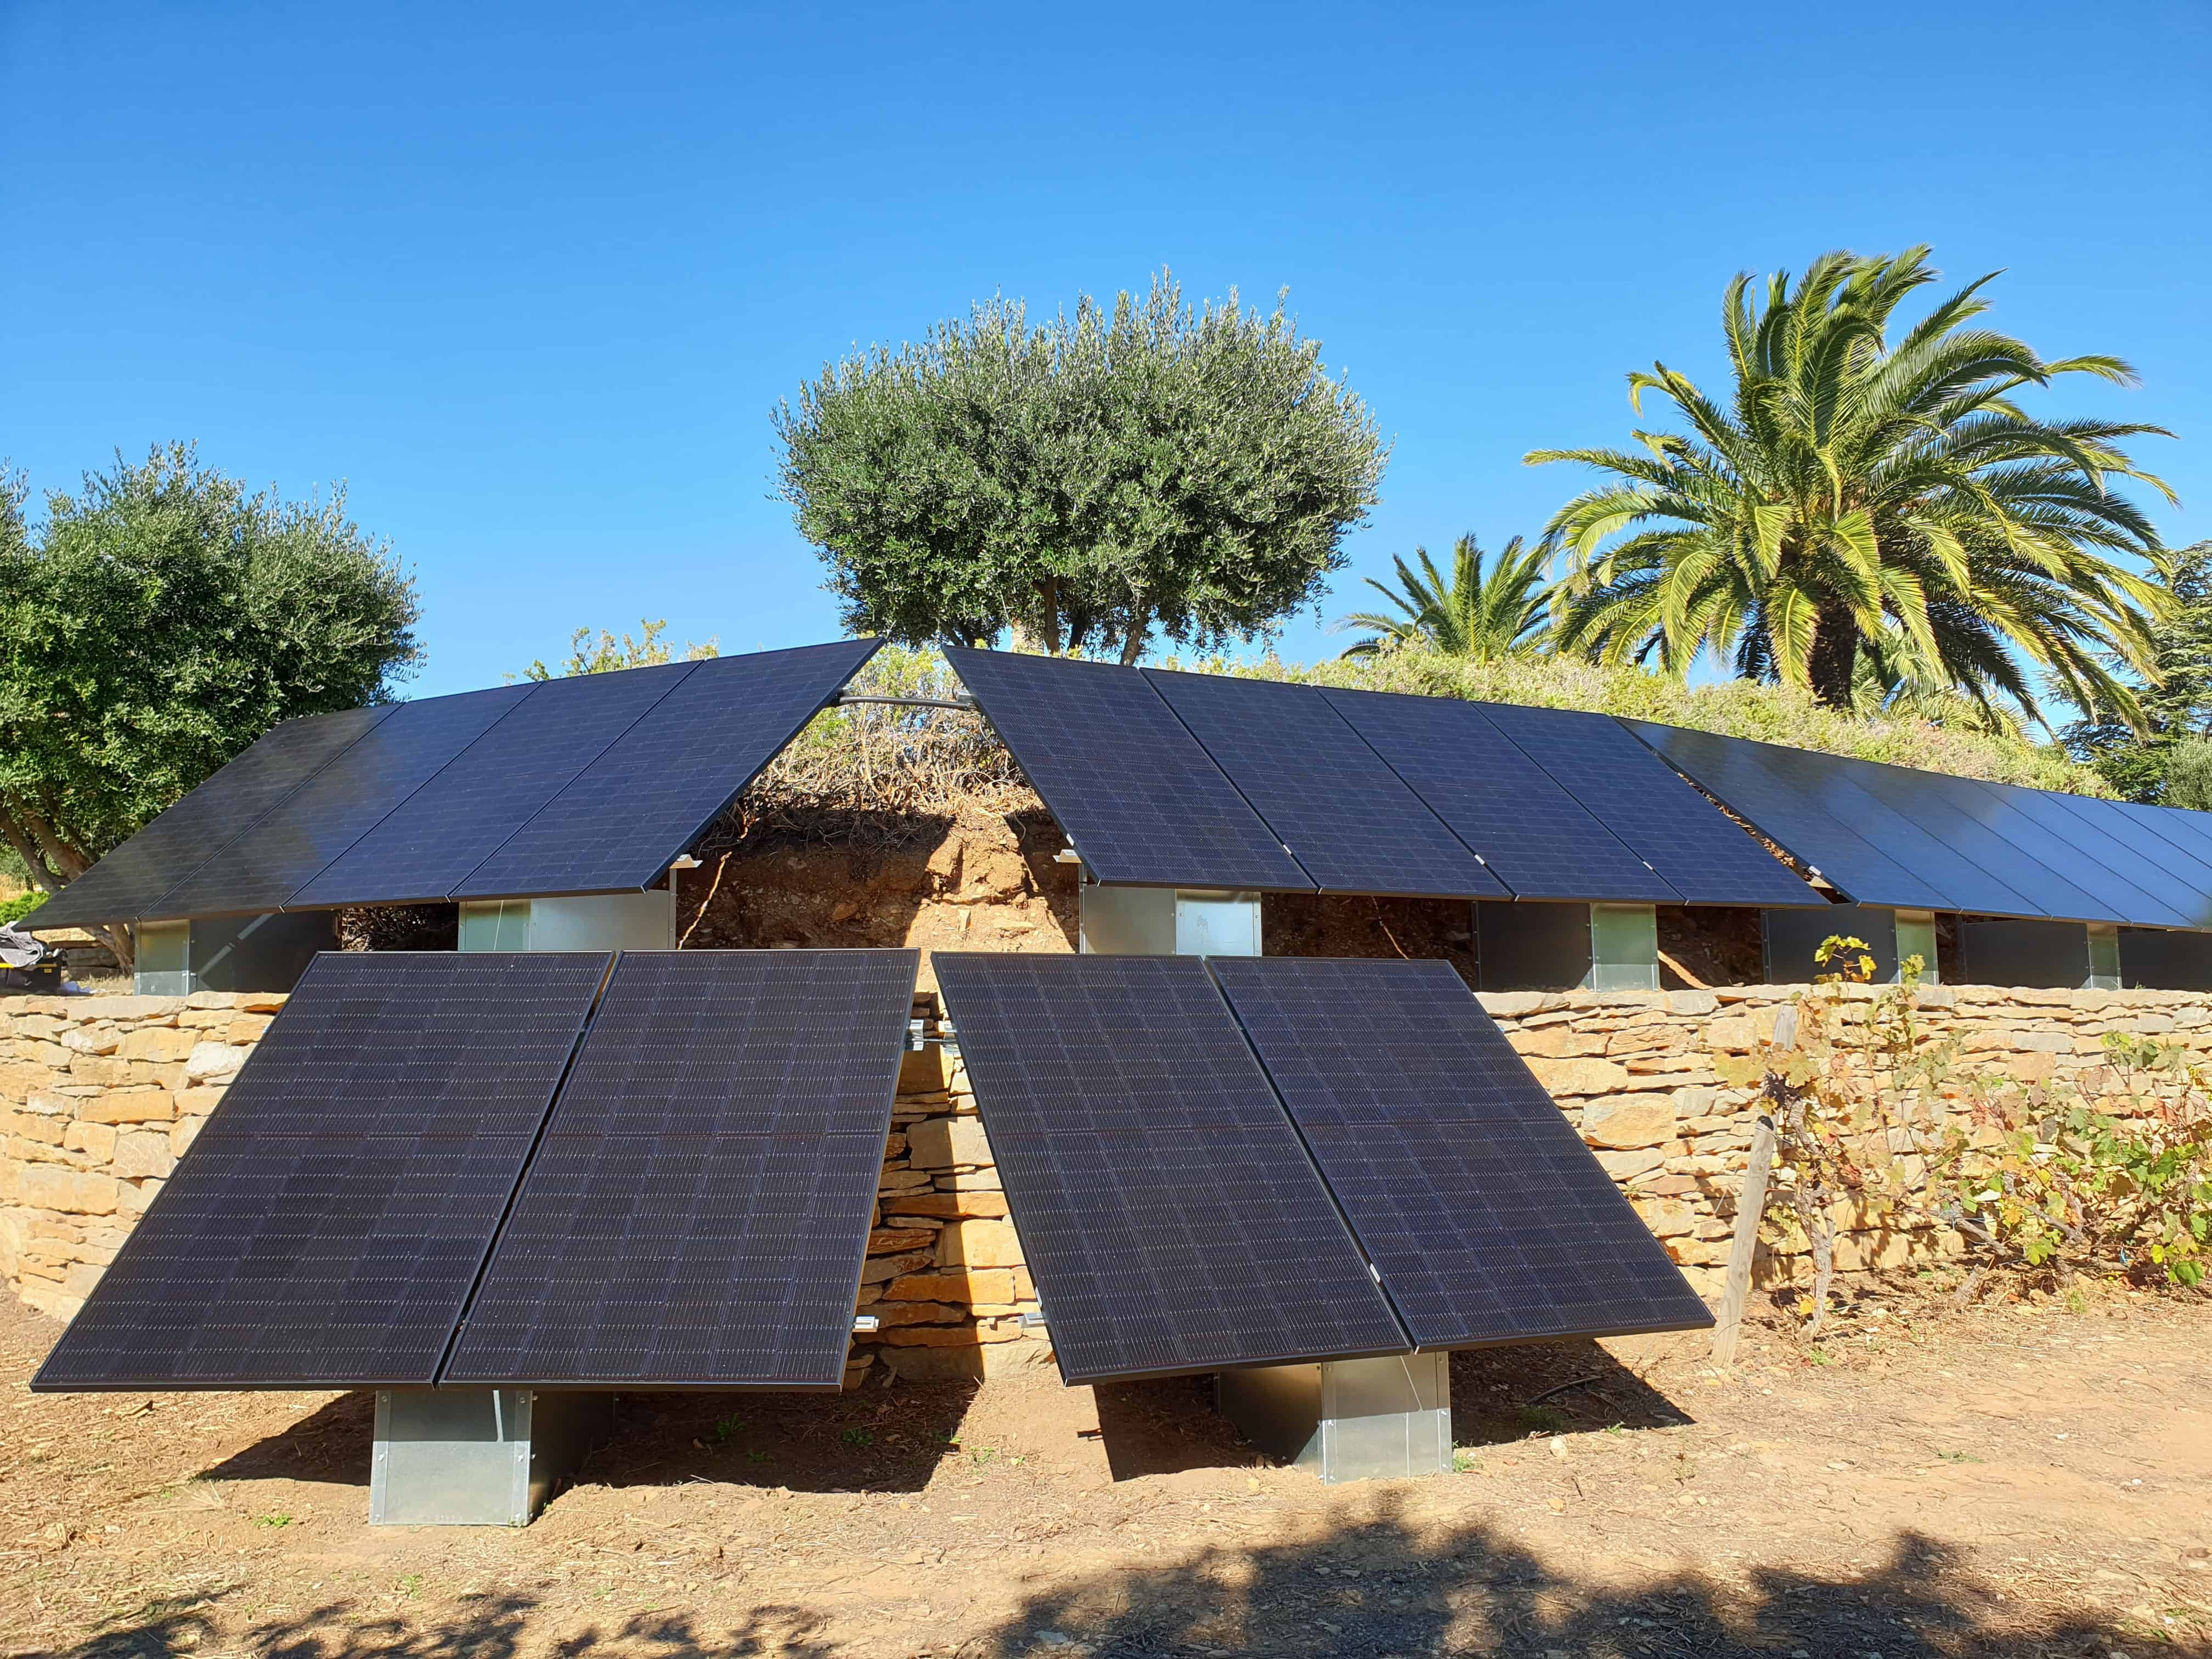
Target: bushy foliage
[158,622]
[1878,1123]
[1094,481]
[21,905]
[607,654]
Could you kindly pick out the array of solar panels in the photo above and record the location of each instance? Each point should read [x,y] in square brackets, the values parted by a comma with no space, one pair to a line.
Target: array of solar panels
[485,1168]
[1173,779]
[1896,836]
[589,784]
[1246,1161]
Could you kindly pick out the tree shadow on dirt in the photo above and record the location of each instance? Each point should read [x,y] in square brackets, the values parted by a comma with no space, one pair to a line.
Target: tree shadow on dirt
[1369,1589]
[1383,1588]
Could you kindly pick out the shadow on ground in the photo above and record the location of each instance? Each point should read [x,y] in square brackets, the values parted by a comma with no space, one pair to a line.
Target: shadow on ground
[1370,1590]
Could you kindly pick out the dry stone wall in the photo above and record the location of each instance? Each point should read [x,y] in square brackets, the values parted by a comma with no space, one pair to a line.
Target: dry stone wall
[101,1094]
[98,1096]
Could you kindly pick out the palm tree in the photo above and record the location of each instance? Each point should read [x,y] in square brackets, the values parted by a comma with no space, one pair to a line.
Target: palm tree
[1857,494]
[1501,611]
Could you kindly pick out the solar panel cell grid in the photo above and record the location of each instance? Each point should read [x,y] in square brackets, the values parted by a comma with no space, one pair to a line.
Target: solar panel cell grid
[1693,846]
[1169,1216]
[662,782]
[675,1261]
[294,843]
[125,884]
[433,840]
[1142,800]
[374,1043]
[1488,1217]
[1349,820]
[698,1211]
[294,1260]
[327,1225]
[696,1042]
[1539,839]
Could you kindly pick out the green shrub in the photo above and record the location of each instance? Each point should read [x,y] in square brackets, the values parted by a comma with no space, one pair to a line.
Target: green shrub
[16,908]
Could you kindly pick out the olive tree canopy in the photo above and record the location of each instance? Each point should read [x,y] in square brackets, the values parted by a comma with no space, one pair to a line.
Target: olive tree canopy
[157,623]
[1091,483]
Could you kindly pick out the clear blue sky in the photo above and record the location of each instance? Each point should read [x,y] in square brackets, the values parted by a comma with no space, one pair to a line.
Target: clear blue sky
[529,279]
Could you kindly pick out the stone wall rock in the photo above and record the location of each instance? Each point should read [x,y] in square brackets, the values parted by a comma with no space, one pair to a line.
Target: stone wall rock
[99,1097]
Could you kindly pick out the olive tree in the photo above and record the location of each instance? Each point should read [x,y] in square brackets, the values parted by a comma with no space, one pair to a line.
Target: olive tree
[154,624]
[1089,483]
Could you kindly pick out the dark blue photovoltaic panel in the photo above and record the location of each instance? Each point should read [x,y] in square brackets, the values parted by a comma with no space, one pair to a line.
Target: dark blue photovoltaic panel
[1947,808]
[1347,818]
[1813,812]
[698,1212]
[1953,843]
[412,1043]
[435,838]
[1488,1217]
[689,1043]
[1693,846]
[327,1227]
[727,1261]
[124,886]
[2104,831]
[2110,881]
[290,845]
[1536,837]
[1170,1217]
[651,795]
[2187,832]
[1142,800]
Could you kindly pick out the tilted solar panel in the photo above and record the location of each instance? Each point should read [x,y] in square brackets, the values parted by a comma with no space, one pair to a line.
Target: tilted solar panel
[1486,1217]
[1140,798]
[327,1227]
[2109,881]
[291,844]
[429,844]
[124,886]
[2155,829]
[1695,848]
[698,1211]
[1953,843]
[660,784]
[1171,1219]
[1540,840]
[1351,822]
[1861,844]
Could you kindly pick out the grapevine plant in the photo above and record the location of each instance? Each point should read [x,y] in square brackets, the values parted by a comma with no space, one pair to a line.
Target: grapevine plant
[1879,1125]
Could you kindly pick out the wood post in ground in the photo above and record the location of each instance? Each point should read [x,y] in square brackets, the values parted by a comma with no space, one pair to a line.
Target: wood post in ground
[1750,1206]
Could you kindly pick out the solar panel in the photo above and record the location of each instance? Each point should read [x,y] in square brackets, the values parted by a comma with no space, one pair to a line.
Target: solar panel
[1695,848]
[1539,839]
[698,1211]
[2109,881]
[434,839]
[689,1043]
[1955,813]
[1140,798]
[292,843]
[1486,1217]
[724,1262]
[1171,1219]
[651,795]
[1346,817]
[123,885]
[2155,829]
[1872,853]
[1896,835]
[326,1229]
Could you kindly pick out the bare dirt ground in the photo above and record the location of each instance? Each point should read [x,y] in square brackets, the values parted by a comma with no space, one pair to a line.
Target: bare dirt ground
[2016,1481]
